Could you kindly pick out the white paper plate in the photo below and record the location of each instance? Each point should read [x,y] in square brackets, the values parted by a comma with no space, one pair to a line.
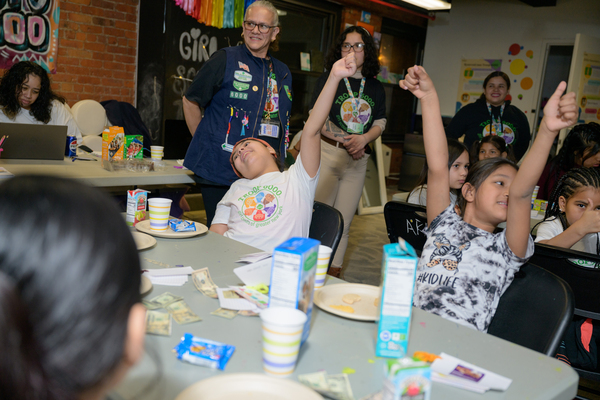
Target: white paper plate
[144,226]
[364,310]
[143,241]
[248,387]
[145,286]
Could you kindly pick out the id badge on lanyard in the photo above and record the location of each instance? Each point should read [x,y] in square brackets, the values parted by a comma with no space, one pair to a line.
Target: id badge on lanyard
[269,127]
[355,127]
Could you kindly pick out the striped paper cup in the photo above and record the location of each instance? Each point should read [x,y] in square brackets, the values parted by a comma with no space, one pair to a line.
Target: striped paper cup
[159,210]
[322,265]
[282,330]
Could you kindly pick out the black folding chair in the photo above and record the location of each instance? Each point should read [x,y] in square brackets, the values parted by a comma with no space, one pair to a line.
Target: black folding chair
[535,311]
[327,226]
[406,221]
[584,281]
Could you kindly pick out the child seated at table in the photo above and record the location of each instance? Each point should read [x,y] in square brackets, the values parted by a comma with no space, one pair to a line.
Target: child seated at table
[491,146]
[70,314]
[267,206]
[458,167]
[572,218]
[465,267]
[581,148]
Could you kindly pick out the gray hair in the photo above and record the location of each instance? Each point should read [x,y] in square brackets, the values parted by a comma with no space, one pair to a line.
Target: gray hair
[269,6]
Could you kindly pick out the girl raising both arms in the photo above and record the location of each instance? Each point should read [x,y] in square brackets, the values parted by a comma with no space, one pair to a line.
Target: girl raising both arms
[465,267]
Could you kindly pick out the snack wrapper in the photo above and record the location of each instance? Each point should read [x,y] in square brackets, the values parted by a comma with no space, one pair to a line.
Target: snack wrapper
[204,352]
[180,225]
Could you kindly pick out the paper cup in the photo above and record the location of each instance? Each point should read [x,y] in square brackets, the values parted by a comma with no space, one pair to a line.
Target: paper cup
[157,152]
[282,330]
[534,194]
[159,210]
[322,265]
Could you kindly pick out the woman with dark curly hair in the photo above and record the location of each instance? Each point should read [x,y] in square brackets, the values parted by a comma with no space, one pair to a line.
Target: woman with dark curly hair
[27,98]
[357,118]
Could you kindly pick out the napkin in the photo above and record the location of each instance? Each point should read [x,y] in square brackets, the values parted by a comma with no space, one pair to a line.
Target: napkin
[456,372]
[169,276]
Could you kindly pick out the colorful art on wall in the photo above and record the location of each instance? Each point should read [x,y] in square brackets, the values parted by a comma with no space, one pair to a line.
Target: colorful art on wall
[588,94]
[217,13]
[29,32]
[518,71]
[472,75]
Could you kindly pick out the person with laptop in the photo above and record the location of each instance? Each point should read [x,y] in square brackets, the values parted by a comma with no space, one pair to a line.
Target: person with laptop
[26,97]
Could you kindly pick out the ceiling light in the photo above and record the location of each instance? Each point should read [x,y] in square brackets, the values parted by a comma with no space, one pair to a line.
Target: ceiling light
[430,5]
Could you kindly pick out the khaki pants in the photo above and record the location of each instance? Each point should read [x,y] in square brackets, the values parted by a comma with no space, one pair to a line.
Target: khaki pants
[340,185]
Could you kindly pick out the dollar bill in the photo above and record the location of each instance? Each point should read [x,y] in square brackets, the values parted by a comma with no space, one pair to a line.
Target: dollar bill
[340,385]
[204,283]
[336,387]
[165,299]
[151,305]
[247,313]
[181,312]
[231,294]
[225,313]
[158,323]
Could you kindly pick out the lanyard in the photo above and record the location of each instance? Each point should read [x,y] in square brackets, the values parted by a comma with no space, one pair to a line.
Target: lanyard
[496,123]
[269,92]
[356,103]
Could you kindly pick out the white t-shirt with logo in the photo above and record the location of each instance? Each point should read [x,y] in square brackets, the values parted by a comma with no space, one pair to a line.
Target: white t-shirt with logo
[588,244]
[266,211]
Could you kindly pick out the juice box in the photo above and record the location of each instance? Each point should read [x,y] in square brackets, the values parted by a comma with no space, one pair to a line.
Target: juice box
[293,272]
[406,379]
[113,140]
[134,147]
[136,206]
[398,273]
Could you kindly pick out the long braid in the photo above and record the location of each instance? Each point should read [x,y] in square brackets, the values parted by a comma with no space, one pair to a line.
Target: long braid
[568,184]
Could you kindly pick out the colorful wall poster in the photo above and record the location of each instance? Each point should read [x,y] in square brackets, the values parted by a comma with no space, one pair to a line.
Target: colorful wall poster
[472,75]
[588,95]
[29,32]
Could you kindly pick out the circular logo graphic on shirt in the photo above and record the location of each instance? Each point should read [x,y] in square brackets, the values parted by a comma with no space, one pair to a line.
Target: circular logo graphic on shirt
[260,207]
[355,118]
[508,132]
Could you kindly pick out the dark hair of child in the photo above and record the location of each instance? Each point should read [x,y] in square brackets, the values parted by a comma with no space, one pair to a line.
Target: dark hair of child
[370,66]
[478,173]
[498,142]
[455,150]
[581,139]
[569,184]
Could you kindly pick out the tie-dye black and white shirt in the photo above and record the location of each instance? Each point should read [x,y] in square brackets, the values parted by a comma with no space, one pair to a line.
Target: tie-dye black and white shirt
[464,270]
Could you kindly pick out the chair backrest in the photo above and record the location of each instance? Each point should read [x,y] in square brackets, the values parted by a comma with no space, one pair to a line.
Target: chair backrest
[406,221]
[535,311]
[584,281]
[326,225]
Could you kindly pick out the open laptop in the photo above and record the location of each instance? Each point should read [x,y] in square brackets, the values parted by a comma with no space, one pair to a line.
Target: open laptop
[32,141]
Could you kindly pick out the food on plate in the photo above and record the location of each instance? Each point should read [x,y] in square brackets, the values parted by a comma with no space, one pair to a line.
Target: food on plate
[347,309]
[351,298]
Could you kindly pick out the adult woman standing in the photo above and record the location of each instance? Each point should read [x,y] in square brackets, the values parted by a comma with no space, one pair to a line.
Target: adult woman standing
[492,114]
[26,97]
[245,92]
[357,118]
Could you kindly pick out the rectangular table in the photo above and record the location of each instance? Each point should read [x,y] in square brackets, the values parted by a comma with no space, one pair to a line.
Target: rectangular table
[92,173]
[334,342]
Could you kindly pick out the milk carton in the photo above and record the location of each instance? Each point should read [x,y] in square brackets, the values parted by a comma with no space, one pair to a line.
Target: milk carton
[293,276]
[406,379]
[398,273]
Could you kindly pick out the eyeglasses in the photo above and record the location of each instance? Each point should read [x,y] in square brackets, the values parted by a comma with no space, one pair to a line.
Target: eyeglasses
[262,28]
[358,47]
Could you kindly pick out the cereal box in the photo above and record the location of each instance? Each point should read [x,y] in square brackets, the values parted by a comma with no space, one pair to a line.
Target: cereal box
[134,147]
[136,206]
[113,140]
[398,273]
[293,271]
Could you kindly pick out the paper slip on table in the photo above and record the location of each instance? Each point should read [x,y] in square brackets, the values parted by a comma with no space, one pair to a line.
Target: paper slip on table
[334,342]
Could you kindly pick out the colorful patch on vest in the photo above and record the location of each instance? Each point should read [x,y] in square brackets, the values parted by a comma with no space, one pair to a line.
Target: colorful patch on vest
[243,66]
[238,95]
[262,208]
[242,76]
[288,92]
[241,86]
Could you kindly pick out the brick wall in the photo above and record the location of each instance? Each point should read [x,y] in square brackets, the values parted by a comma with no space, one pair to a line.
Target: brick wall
[97,50]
